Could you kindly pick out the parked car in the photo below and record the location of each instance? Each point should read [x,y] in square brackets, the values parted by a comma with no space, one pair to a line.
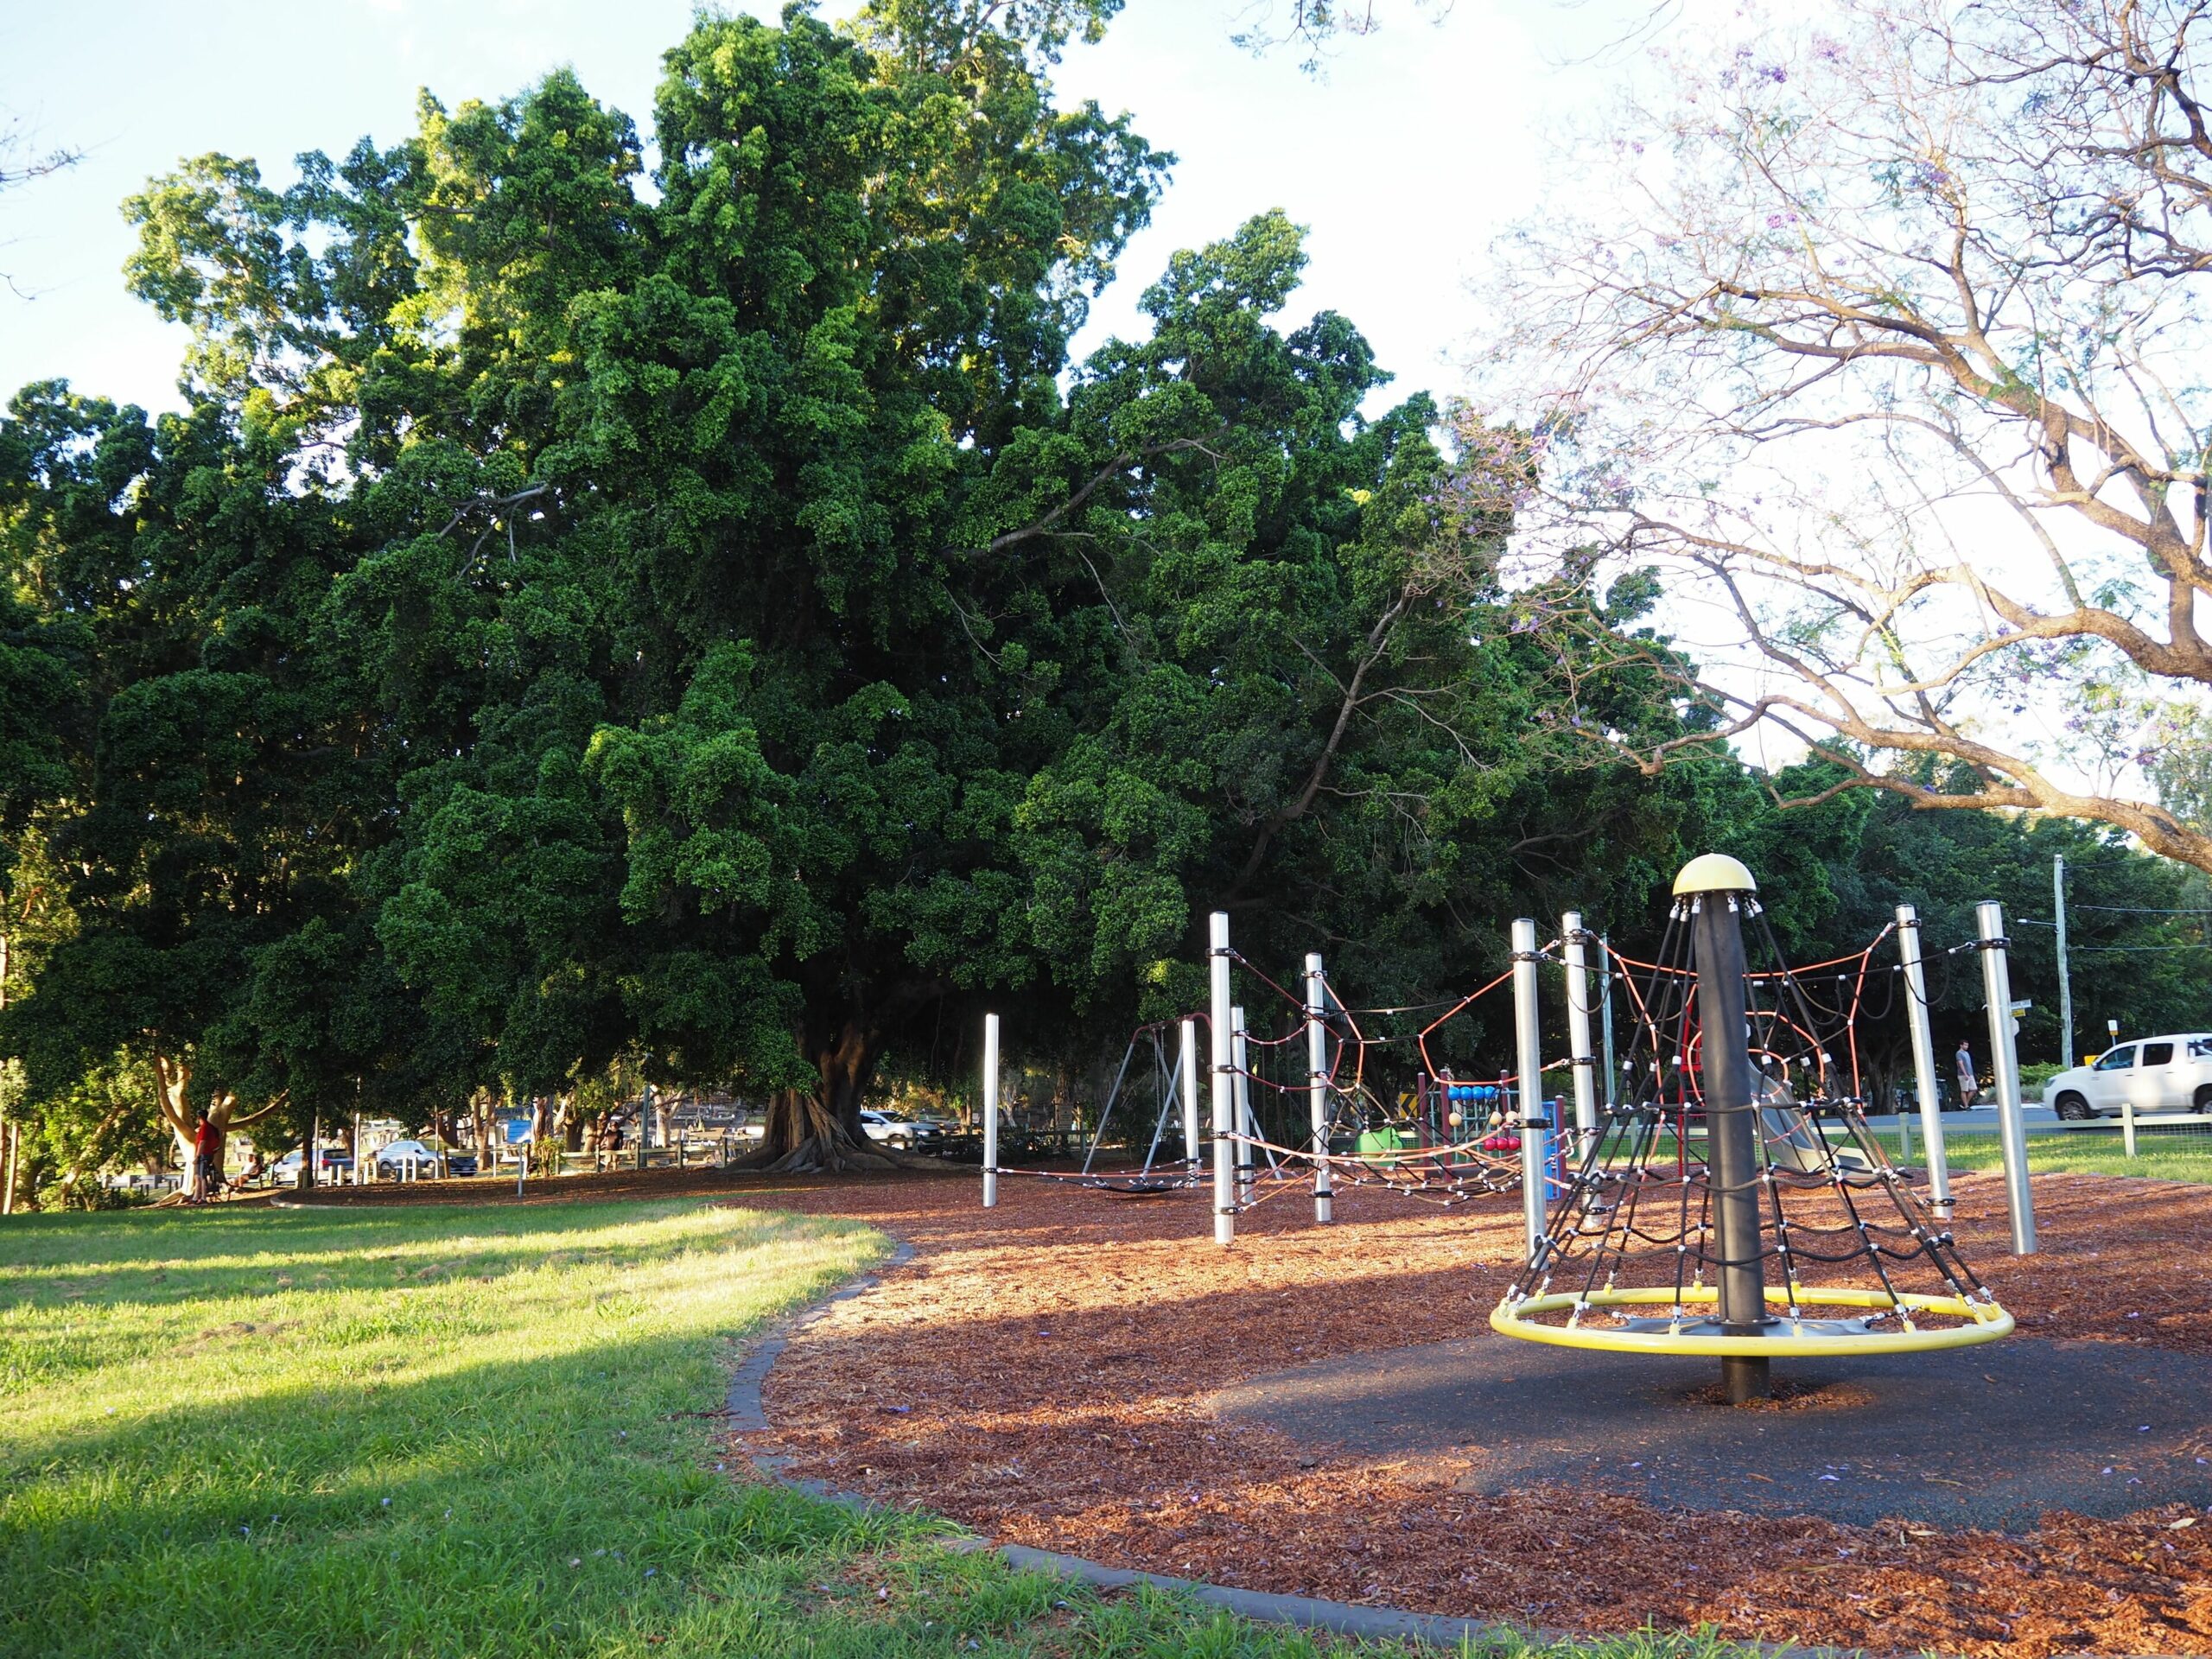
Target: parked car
[2154,1074]
[330,1163]
[396,1157]
[461,1163]
[900,1134]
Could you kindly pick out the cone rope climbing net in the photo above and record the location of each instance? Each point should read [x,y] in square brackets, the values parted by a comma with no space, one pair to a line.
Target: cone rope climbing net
[1631,1256]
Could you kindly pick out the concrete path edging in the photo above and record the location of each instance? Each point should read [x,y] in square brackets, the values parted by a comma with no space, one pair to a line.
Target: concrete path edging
[741,1404]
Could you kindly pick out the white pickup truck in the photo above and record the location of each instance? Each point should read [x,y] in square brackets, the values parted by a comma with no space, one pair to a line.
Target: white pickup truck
[2154,1074]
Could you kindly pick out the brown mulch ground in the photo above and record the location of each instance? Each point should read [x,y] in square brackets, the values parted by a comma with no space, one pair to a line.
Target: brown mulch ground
[1041,1372]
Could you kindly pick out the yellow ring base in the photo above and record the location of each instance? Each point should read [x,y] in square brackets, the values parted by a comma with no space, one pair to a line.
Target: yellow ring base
[1986,1322]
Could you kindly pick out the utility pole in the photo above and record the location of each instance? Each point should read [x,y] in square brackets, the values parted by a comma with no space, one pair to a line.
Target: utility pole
[2065,984]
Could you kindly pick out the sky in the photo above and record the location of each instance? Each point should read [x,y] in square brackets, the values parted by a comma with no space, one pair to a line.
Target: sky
[1414,148]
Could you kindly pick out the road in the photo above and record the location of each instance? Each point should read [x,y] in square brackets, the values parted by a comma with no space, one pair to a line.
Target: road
[1978,1117]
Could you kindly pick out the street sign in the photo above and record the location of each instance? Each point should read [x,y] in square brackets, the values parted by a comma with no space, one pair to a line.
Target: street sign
[518,1131]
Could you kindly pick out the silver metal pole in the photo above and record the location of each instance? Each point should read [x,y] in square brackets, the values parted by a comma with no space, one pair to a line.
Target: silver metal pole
[1317,1086]
[1106,1112]
[2004,1061]
[990,1111]
[1189,1070]
[1575,943]
[1225,1173]
[1245,1127]
[2066,1056]
[1529,1066]
[1924,1060]
[1606,1011]
[1164,1096]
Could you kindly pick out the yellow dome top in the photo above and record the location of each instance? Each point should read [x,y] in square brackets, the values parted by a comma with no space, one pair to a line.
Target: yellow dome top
[1714,873]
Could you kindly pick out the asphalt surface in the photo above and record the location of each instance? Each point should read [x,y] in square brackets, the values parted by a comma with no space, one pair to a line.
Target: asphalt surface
[1992,1436]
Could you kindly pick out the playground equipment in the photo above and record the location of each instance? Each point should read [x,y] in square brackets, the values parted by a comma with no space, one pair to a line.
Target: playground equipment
[1175,1096]
[1454,1137]
[1448,1141]
[1717,1162]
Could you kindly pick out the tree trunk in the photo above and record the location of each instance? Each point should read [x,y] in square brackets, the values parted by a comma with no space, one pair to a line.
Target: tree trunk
[818,1130]
[172,1079]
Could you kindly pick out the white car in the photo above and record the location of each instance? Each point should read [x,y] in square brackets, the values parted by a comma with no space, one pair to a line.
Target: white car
[329,1163]
[2154,1074]
[902,1133]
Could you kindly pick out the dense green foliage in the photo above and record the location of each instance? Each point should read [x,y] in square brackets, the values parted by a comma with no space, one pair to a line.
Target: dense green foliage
[708,625]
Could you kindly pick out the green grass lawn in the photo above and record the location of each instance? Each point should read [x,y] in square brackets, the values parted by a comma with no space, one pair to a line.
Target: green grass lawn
[463,1432]
[2182,1154]
[436,1432]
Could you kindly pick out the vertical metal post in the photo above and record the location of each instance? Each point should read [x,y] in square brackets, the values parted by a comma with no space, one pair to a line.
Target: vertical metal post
[1224,1174]
[1528,1068]
[1576,944]
[1716,899]
[645,1122]
[2004,1062]
[2066,1056]
[1106,1112]
[1317,1086]
[1189,1073]
[1925,1083]
[1606,1011]
[1241,1058]
[2127,1128]
[990,1111]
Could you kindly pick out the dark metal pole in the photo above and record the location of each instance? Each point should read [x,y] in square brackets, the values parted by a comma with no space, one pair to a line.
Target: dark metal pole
[1730,1128]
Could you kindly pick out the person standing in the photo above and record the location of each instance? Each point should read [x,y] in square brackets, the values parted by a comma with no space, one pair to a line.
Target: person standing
[206,1161]
[1968,1087]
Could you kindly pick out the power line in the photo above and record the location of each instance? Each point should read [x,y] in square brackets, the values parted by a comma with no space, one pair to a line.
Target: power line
[2140,910]
[2036,921]
[2134,950]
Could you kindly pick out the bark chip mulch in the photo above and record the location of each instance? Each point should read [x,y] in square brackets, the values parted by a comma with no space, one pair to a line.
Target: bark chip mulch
[1047,1373]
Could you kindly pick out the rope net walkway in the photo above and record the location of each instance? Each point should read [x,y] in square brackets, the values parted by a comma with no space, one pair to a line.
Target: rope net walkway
[1445,1140]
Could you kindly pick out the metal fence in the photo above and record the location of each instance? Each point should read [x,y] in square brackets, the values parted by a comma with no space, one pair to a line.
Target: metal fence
[2172,1145]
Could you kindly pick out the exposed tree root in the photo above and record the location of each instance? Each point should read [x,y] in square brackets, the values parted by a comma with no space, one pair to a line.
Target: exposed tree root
[820,1154]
